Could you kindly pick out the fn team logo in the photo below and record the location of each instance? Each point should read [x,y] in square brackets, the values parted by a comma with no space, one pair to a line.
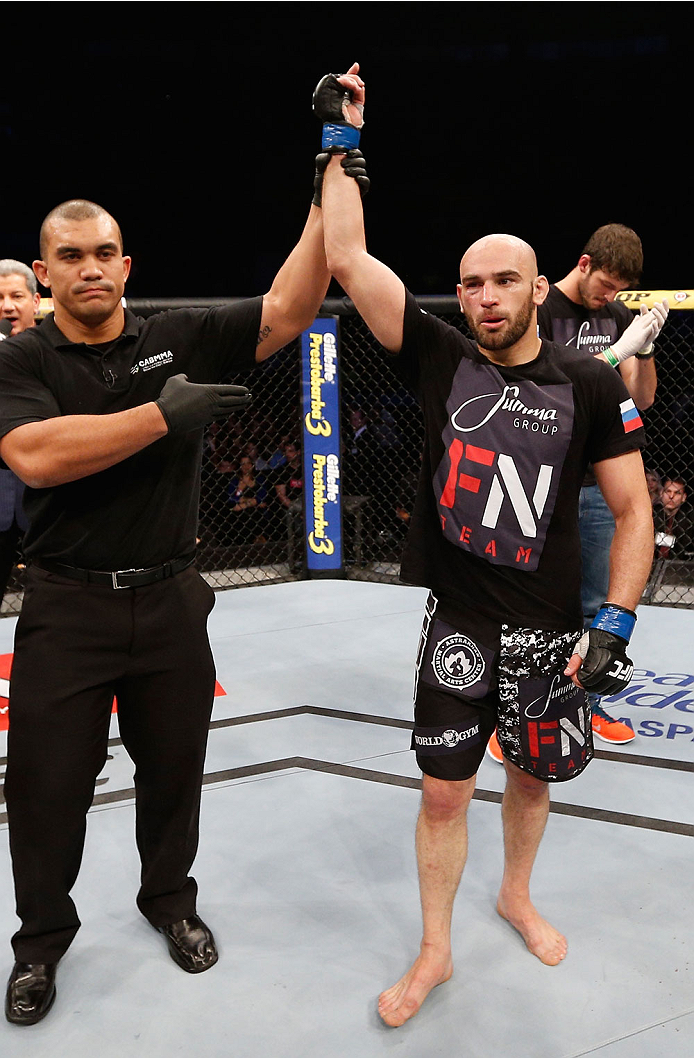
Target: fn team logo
[504,448]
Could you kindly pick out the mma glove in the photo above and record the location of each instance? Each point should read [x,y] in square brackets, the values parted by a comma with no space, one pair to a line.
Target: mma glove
[639,336]
[353,163]
[330,102]
[606,668]
[189,406]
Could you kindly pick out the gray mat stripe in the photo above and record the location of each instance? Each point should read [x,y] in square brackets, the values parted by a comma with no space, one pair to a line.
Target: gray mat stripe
[308,764]
[388,721]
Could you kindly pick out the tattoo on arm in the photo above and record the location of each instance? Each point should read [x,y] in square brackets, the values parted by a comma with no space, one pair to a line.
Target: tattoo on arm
[262,335]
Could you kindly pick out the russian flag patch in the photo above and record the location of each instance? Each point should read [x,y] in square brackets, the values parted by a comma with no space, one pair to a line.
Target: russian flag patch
[630,416]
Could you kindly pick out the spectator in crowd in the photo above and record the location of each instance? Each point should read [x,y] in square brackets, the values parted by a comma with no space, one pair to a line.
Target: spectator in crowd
[278,456]
[655,485]
[19,303]
[290,477]
[362,455]
[248,496]
[672,521]
[253,452]
[384,428]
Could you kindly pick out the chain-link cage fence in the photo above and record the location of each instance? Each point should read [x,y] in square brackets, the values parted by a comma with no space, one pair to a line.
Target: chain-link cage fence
[669,462]
[251,502]
[251,480]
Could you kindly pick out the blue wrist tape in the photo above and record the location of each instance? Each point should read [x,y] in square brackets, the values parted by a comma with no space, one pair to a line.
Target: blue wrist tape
[615,619]
[340,136]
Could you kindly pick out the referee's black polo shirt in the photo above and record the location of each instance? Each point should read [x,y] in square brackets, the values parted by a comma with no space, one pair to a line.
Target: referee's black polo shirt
[142,511]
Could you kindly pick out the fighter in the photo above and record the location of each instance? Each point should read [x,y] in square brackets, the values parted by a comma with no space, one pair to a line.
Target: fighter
[511,422]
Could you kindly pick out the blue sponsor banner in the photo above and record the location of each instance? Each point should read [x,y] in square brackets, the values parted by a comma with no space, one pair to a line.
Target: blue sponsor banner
[320,400]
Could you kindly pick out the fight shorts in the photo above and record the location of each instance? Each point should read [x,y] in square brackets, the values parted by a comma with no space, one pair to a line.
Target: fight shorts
[470,680]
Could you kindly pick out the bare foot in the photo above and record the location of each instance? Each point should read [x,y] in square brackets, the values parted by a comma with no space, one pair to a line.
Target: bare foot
[541,939]
[404,999]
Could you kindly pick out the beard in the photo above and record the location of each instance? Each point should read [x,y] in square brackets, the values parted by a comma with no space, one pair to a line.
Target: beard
[517,327]
[590,301]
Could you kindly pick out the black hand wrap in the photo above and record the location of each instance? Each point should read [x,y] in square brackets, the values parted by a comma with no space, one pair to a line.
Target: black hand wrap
[606,668]
[189,405]
[353,163]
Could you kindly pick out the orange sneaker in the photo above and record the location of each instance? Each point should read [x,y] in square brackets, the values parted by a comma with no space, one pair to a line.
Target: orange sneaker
[608,729]
[494,749]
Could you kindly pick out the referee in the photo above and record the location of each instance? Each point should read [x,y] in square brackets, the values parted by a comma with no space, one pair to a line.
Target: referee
[102,416]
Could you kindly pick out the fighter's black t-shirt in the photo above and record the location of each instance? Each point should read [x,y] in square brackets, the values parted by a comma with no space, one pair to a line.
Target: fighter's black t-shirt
[143,511]
[588,331]
[495,523]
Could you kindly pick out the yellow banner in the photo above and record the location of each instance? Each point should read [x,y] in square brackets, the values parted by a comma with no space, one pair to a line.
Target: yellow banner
[677,299]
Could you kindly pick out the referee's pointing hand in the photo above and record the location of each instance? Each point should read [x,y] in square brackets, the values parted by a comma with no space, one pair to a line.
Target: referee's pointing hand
[189,405]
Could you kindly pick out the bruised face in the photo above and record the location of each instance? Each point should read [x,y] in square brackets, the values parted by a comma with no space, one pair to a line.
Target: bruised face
[500,290]
[85,268]
[17,303]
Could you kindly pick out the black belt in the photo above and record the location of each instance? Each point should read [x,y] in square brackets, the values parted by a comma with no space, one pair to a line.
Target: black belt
[119,578]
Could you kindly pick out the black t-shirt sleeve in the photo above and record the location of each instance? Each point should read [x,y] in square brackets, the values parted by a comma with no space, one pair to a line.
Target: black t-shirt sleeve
[23,395]
[427,343]
[617,426]
[220,340]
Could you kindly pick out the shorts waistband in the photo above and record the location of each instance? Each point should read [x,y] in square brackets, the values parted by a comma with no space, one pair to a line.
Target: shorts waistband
[119,578]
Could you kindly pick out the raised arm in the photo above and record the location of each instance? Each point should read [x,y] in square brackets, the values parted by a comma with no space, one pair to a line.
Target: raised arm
[378,294]
[295,297]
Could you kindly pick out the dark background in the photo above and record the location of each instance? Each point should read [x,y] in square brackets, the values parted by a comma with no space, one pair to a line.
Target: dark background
[539,119]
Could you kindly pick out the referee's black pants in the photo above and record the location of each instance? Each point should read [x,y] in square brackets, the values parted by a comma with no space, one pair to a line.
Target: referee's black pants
[76,646]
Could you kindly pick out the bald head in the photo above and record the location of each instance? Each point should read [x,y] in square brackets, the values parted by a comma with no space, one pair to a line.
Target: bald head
[74,209]
[502,253]
[499,292]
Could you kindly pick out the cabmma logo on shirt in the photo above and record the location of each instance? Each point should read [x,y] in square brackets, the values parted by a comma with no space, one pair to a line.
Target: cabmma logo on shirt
[497,483]
[5,670]
[148,363]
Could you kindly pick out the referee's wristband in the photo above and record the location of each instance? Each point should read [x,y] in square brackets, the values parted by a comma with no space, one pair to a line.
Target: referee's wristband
[339,136]
[612,360]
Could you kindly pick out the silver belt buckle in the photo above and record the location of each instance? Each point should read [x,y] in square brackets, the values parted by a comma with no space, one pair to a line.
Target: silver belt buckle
[115,575]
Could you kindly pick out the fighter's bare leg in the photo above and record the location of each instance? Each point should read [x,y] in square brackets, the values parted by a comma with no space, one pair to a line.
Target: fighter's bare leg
[524,811]
[441,842]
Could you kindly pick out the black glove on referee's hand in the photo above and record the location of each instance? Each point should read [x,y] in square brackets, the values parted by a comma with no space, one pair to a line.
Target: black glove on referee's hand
[188,405]
[353,163]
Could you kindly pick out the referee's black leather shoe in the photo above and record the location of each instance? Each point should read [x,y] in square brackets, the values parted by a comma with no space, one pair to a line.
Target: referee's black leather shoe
[191,944]
[30,992]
